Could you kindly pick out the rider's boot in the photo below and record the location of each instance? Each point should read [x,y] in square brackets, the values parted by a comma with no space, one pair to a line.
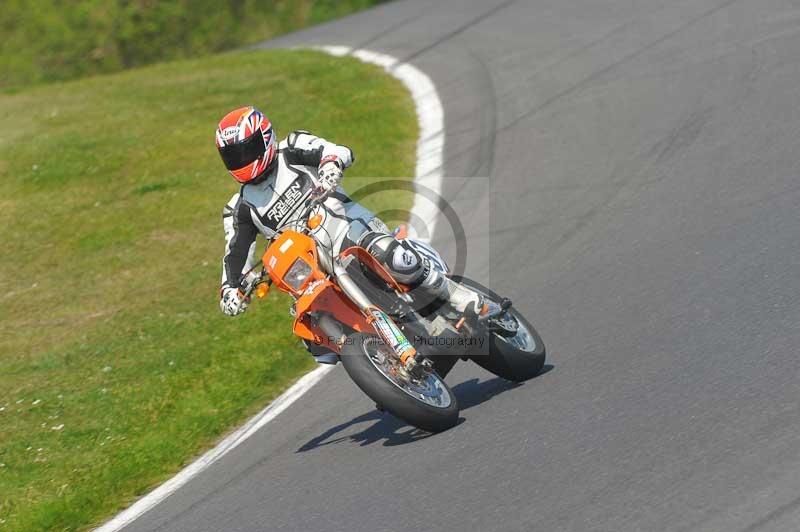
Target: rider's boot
[443,288]
[412,269]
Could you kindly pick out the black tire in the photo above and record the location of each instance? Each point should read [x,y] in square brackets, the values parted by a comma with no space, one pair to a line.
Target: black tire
[503,359]
[390,396]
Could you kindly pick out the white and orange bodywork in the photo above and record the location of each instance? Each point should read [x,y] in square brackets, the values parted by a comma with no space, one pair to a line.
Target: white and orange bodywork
[318,293]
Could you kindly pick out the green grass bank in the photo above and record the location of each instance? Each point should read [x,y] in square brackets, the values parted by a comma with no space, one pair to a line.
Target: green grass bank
[116,365]
[47,40]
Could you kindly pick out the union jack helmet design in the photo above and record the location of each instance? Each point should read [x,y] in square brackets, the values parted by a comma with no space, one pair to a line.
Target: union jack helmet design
[246,143]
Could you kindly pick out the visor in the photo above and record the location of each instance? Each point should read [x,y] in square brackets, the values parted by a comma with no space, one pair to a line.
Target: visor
[240,154]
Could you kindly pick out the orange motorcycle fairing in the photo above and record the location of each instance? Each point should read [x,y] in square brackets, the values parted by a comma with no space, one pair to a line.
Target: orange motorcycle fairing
[289,250]
[292,262]
[325,296]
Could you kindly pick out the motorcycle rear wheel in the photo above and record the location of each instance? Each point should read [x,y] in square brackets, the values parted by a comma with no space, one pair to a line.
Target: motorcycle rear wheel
[428,404]
[514,361]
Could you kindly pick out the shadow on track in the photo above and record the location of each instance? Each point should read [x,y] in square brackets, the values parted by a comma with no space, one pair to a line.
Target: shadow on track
[394,431]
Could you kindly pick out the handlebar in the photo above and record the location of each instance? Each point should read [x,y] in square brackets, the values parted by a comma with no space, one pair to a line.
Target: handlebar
[318,197]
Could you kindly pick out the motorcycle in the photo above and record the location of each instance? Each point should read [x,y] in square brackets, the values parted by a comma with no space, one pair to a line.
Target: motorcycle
[369,320]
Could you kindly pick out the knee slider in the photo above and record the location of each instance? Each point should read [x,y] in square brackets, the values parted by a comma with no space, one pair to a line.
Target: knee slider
[376,243]
[405,264]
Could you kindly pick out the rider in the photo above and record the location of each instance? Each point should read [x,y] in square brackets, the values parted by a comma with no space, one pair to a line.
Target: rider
[277,179]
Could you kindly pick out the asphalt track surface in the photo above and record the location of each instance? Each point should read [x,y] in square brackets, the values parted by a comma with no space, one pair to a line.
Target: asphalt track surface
[645,213]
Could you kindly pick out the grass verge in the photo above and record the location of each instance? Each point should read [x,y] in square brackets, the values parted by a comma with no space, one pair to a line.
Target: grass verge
[116,366]
[51,40]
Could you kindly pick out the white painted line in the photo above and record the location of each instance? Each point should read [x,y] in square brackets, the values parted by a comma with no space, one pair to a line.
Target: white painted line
[430,149]
[224,447]
[430,114]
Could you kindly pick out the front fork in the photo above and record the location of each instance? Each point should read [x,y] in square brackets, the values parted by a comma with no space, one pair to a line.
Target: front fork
[386,328]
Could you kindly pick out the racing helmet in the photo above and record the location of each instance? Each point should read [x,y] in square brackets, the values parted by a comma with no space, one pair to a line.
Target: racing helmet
[246,143]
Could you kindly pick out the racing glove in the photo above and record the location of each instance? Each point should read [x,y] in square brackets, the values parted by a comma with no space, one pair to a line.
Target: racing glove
[330,173]
[232,302]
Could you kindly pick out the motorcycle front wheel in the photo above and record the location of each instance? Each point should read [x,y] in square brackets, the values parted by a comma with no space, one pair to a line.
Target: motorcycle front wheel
[426,403]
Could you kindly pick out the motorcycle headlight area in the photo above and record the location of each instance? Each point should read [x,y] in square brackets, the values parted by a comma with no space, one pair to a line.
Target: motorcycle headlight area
[297,274]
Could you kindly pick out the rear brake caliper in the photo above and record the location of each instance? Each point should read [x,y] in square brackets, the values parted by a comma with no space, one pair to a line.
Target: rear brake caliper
[499,320]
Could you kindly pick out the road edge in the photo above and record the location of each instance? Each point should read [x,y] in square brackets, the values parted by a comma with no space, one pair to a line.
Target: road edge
[430,116]
[428,173]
